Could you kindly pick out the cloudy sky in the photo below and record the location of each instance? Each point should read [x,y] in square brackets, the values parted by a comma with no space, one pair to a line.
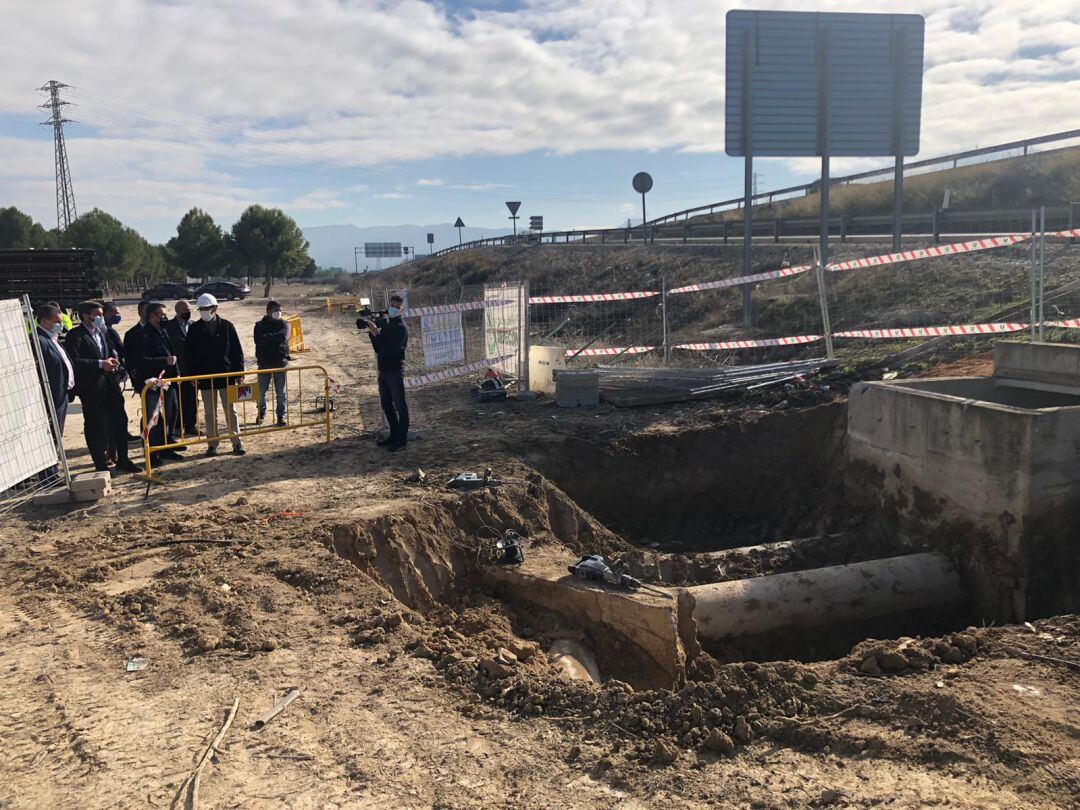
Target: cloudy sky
[418,112]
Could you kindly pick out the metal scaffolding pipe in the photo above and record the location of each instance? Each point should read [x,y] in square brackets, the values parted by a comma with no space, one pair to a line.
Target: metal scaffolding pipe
[822,597]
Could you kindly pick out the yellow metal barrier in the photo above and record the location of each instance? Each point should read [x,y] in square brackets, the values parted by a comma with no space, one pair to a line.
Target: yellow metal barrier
[296,334]
[342,303]
[242,388]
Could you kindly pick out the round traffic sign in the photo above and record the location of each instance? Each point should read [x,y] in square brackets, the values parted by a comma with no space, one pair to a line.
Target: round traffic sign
[642,182]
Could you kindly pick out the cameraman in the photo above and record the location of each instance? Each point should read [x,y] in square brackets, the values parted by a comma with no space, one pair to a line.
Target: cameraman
[389,342]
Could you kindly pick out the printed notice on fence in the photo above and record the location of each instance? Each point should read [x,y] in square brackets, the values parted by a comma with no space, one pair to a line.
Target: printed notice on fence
[444,340]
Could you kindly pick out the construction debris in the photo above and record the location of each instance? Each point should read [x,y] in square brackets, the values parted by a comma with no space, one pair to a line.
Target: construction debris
[276,709]
[626,387]
[577,389]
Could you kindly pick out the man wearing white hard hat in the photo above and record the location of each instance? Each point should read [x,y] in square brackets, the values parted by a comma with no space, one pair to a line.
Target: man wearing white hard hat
[213,347]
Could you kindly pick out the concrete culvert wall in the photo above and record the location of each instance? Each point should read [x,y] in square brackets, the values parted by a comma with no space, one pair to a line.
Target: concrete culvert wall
[707,489]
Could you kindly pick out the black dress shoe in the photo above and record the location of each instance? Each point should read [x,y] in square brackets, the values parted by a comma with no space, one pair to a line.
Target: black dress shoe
[128,466]
[399,445]
[172,455]
[386,442]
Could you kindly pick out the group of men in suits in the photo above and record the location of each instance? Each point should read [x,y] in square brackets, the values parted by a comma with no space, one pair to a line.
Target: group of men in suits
[93,362]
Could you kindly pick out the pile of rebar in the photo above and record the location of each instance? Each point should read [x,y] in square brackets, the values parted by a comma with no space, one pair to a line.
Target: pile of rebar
[626,386]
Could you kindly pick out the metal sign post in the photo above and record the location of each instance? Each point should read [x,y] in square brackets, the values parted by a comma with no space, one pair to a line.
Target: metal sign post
[513,206]
[1042,273]
[459,225]
[642,185]
[823,150]
[804,84]
[431,243]
[899,48]
[748,178]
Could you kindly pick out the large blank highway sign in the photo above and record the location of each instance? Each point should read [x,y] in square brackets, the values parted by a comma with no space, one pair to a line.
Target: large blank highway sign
[867,66]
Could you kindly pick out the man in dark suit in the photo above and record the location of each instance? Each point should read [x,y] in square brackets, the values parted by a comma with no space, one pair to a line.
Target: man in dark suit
[58,371]
[156,358]
[213,347]
[177,330]
[97,386]
[111,313]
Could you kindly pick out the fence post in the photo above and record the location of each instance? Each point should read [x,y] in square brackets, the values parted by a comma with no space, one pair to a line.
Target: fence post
[1073,207]
[663,312]
[937,225]
[1042,274]
[524,362]
[823,295]
[1034,292]
[843,227]
[776,229]
[685,233]
[603,237]
[723,223]
[626,236]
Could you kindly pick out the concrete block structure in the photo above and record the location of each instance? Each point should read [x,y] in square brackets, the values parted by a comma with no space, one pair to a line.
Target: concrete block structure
[983,469]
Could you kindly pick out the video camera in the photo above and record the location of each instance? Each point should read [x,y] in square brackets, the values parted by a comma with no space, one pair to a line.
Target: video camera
[367,315]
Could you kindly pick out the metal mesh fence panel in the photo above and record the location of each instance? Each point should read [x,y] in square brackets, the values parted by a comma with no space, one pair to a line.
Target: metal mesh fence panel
[31,459]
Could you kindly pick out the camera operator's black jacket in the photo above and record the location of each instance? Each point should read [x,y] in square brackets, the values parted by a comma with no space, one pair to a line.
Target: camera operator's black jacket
[390,344]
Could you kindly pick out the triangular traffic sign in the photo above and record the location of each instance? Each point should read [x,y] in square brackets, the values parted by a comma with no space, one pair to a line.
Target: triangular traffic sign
[513,206]
[459,223]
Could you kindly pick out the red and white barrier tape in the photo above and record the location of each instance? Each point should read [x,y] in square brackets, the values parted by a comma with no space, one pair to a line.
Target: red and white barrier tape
[591,297]
[417,380]
[1069,233]
[607,352]
[442,309]
[748,344]
[783,272]
[933,331]
[931,252]
[1071,323]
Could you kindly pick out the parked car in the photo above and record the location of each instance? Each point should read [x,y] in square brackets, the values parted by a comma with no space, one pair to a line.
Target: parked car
[223,290]
[169,290]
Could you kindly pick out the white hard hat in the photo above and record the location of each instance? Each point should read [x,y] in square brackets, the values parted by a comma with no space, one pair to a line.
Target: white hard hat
[206,300]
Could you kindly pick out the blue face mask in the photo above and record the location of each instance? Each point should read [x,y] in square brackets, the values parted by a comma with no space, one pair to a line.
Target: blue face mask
[393,312]
[115,319]
[99,322]
[56,328]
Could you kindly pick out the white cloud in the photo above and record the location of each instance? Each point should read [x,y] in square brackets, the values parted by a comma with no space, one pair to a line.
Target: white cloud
[178,97]
[393,195]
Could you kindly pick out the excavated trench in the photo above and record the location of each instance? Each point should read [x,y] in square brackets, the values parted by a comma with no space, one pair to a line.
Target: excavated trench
[742,532]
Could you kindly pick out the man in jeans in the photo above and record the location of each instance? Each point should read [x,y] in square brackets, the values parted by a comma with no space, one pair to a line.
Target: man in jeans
[272,351]
[389,343]
[213,347]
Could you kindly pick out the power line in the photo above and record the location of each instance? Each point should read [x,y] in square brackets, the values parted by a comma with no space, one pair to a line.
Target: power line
[65,192]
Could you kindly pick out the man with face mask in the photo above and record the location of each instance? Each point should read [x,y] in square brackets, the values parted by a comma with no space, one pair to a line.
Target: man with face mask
[213,347]
[157,358]
[272,351]
[177,330]
[389,343]
[58,370]
[98,387]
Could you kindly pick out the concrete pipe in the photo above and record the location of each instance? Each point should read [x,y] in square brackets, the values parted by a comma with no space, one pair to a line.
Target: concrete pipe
[824,596]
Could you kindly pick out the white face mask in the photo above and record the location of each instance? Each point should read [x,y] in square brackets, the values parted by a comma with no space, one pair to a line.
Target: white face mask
[56,328]
[205,314]
[276,314]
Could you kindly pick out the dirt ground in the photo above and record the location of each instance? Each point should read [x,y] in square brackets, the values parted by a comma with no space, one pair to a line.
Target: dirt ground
[331,569]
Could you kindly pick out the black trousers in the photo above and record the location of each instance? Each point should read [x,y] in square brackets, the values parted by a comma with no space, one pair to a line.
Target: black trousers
[187,408]
[105,425]
[392,397]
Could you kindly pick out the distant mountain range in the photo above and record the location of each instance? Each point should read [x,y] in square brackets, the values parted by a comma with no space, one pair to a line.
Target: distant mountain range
[332,245]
